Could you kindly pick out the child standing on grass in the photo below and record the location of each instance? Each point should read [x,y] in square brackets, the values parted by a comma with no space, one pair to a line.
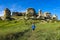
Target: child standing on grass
[33,26]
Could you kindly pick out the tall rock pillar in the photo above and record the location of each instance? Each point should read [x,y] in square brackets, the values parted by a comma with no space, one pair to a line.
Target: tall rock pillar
[7,13]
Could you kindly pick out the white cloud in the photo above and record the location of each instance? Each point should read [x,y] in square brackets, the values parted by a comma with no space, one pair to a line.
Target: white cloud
[1,13]
[1,10]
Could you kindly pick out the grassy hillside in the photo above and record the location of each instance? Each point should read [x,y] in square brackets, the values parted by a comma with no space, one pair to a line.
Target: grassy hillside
[21,30]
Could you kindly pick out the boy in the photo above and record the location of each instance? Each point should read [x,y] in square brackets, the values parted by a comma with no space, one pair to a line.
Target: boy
[33,26]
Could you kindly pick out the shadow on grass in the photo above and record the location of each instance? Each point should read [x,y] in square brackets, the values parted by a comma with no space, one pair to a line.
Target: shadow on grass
[13,36]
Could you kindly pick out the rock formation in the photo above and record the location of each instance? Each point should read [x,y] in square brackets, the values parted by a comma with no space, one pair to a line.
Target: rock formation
[30,12]
[40,15]
[54,17]
[47,15]
[7,14]
[18,13]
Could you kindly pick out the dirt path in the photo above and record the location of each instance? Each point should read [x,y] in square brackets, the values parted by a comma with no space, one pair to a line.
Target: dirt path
[32,36]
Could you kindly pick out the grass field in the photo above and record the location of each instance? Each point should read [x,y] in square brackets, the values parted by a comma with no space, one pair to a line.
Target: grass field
[21,30]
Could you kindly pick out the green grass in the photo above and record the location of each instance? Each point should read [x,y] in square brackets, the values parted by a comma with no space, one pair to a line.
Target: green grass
[21,30]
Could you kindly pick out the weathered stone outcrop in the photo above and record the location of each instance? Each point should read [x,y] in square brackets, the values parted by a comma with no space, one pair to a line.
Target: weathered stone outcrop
[47,15]
[30,13]
[54,17]
[7,14]
[40,15]
[18,13]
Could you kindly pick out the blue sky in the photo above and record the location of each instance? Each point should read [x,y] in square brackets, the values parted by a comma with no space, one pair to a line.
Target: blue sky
[52,6]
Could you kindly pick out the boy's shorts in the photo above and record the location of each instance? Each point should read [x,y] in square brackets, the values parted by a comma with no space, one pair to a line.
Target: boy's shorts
[33,29]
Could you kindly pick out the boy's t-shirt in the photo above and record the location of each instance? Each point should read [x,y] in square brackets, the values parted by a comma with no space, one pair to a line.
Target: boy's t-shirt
[33,26]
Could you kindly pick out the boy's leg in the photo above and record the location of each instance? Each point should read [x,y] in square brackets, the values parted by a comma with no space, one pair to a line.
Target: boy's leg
[33,29]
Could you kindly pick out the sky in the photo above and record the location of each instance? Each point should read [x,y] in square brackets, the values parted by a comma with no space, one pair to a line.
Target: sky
[52,6]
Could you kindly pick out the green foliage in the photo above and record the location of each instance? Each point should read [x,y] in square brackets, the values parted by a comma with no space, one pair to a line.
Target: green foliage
[21,30]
